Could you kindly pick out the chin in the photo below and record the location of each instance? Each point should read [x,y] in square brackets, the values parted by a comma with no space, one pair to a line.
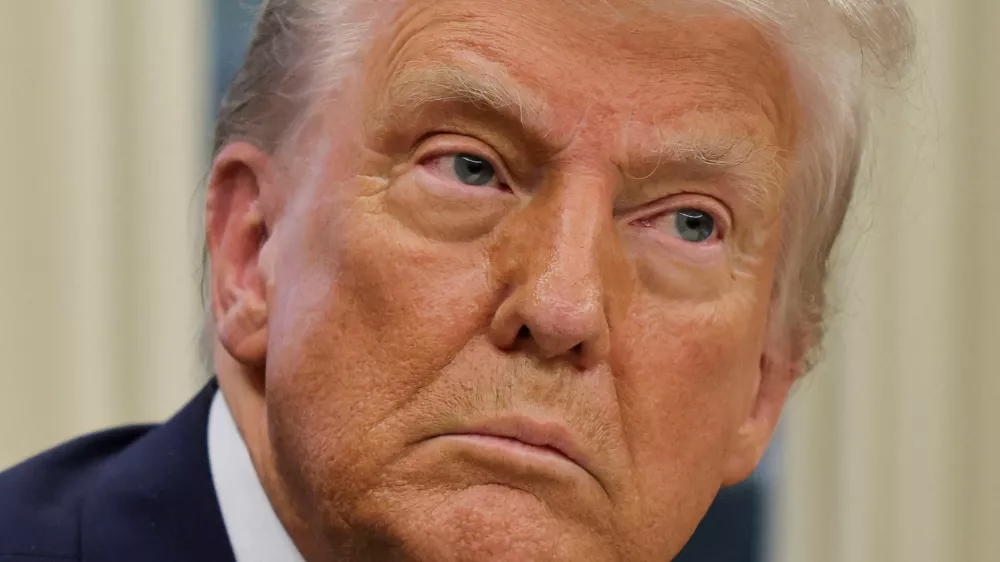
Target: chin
[489,523]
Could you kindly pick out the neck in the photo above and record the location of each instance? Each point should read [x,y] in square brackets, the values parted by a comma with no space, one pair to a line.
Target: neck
[244,390]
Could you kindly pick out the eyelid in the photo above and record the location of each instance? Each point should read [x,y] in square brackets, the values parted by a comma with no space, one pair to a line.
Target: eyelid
[673,203]
[437,145]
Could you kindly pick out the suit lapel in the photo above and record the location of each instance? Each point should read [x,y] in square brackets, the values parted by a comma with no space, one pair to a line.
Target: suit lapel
[155,501]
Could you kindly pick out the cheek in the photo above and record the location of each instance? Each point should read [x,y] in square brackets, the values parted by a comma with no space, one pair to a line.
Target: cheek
[365,314]
[418,301]
[686,369]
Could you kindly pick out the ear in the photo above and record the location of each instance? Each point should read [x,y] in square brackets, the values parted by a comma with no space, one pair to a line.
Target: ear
[236,231]
[777,372]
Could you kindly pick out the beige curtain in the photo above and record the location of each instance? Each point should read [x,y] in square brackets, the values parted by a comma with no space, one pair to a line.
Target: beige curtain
[891,450]
[103,122]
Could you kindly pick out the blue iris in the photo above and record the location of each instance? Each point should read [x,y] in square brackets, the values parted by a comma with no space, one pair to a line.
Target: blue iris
[694,225]
[472,170]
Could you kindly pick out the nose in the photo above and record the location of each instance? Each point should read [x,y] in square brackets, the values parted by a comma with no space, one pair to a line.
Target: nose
[550,257]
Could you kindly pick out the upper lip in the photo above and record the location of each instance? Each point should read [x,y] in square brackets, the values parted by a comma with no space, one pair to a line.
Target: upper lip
[552,435]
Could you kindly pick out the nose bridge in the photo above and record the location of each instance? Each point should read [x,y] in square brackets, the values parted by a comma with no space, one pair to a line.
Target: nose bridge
[568,270]
[552,252]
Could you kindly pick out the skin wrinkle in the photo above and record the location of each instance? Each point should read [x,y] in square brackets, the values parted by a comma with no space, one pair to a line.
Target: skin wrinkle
[493,89]
[748,162]
[456,89]
[396,305]
[416,393]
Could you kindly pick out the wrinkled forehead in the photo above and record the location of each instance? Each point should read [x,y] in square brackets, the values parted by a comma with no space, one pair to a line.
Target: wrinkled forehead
[559,63]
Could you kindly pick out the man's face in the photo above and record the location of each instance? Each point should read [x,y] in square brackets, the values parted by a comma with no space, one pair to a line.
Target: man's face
[520,296]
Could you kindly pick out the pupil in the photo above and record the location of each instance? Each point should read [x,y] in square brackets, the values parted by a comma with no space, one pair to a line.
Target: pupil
[694,225]
[471,170]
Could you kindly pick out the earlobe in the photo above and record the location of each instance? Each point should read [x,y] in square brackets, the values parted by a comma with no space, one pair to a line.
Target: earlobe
[777,372]
[237,231]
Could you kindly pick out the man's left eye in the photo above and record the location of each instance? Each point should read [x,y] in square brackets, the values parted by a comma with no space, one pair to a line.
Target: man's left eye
[472,170]
[689,224]
[693,225]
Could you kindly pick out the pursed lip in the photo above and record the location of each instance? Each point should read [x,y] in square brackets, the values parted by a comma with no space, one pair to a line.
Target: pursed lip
[547,435]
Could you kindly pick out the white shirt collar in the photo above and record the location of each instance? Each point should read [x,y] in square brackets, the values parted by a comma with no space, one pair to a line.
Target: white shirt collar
[255,532]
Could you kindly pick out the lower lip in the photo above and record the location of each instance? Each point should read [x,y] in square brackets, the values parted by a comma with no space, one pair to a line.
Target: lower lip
[512,449]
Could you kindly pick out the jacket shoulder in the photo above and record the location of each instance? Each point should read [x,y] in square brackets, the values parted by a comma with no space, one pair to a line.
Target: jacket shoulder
[41,498]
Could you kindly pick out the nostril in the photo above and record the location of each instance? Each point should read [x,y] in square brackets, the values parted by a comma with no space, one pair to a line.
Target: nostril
[524,333]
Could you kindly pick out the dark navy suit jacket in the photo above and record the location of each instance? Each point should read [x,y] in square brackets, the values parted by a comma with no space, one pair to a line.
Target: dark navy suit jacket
[145,494]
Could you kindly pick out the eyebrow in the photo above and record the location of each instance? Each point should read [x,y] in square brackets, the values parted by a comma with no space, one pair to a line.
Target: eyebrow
[696,151]
[751,163]
[419,86]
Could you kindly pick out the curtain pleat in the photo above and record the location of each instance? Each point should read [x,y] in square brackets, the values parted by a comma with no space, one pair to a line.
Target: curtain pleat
[891,451]
[104,120]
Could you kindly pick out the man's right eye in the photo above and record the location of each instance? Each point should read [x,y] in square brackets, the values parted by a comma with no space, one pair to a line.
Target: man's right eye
[467,169]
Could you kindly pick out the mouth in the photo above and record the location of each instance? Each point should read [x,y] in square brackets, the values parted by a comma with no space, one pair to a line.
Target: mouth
[523,439]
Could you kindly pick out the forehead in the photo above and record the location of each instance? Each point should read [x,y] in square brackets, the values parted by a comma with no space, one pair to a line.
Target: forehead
[603,61]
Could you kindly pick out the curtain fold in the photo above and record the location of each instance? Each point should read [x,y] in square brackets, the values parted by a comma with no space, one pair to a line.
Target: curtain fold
[103,108]
[891,449]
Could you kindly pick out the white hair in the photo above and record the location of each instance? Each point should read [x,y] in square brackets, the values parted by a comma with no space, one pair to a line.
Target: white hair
[837,49]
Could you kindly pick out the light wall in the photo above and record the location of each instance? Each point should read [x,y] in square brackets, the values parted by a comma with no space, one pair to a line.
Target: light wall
[103,126]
